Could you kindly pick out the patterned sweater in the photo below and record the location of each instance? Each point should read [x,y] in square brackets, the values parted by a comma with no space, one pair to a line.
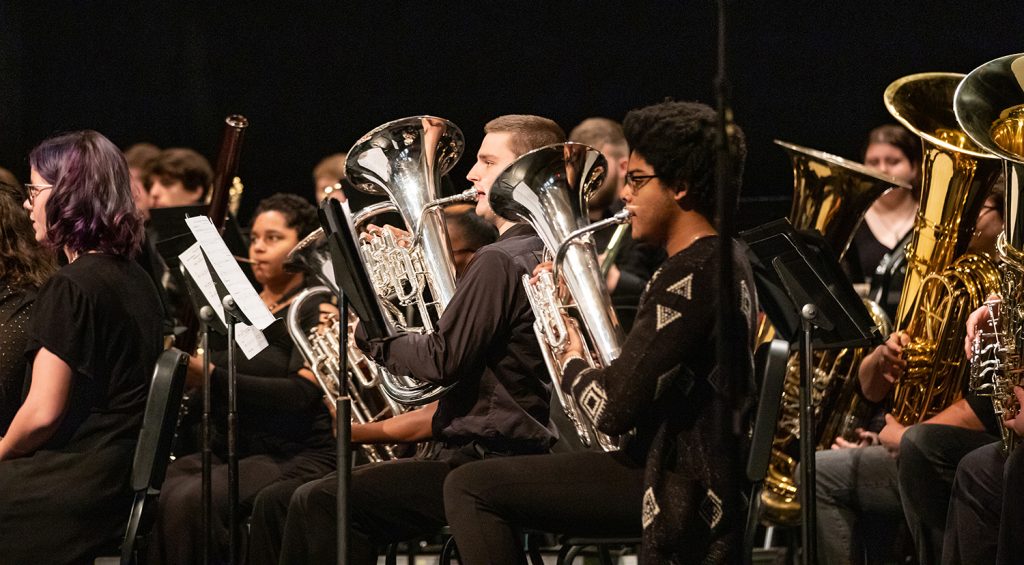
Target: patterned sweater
[666,385]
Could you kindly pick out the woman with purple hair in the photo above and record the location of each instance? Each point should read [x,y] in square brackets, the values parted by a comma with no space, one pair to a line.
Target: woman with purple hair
[92,344]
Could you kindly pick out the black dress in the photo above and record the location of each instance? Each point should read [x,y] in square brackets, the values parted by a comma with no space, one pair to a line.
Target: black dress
[15,310]
[69,501]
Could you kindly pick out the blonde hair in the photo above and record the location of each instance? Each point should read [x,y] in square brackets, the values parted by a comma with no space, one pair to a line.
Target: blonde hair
[598,132]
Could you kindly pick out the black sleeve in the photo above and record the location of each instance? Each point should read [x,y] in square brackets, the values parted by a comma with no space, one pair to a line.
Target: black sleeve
[673,324]
[64,322]
[286,392]
[471,321]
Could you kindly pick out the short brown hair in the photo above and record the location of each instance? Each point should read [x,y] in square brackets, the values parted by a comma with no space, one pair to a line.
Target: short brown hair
[331,166]
[140,154]
[528,132]
[183,165]
[598,132]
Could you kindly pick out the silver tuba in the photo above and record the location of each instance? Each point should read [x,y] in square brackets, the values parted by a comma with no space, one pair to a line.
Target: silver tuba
[989,105]
[405,159]
[548,188]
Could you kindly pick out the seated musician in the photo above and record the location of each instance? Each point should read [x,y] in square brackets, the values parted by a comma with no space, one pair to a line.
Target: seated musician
[177,177]
[679,481]
[486,345]
[24,267]
[284,429]
[862,494]
[93,341]
[467,232]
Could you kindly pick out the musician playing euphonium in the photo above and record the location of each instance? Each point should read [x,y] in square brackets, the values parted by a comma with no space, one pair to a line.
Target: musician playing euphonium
[94,338]
[484,343]
[680,479]
[284,428]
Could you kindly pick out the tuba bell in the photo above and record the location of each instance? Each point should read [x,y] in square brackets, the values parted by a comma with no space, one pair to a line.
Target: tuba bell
[944,283]
[548,188]
[405,159]
[830,195]
[989,104]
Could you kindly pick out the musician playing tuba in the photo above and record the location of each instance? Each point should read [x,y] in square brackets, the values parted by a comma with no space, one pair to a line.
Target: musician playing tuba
[484,343]
[680,477]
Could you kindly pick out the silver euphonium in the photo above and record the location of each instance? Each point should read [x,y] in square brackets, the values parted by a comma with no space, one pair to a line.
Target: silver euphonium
[989,105]
[549,188]
[405,159]
[321,346]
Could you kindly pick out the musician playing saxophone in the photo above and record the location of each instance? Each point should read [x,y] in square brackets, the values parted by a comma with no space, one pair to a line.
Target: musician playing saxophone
[679,479]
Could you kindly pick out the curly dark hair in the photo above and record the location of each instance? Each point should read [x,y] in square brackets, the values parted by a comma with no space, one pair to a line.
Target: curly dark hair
[91,207]
[298,213]
[23,262]
[678,140]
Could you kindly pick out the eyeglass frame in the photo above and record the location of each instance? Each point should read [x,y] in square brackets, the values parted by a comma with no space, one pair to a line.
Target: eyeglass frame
[632,179]
[32,191]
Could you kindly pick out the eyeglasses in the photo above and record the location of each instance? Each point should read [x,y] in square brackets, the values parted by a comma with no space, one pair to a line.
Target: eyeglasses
[33,191]
[635,182]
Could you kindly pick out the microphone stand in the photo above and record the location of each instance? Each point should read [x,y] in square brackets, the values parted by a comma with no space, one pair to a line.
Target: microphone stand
[234,316]
[206,315]
[343,410]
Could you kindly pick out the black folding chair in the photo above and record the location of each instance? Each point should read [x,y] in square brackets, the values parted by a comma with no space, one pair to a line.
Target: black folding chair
[152,453]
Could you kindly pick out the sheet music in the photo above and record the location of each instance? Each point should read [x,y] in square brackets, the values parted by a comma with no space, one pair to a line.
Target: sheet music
[250,340]
[230,273]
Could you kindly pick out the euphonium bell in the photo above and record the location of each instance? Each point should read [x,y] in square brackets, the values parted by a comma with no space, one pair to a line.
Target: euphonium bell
[942,285]
[989,104]
[406,159]
[548,188]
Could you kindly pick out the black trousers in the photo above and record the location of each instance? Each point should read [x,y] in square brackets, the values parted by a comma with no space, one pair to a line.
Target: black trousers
[929,454]
[390,502]
[178,533]
[985,520]
[583,493]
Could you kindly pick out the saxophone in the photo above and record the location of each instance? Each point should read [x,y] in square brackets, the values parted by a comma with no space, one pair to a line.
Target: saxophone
[830,195]
[989,104]
[944,283]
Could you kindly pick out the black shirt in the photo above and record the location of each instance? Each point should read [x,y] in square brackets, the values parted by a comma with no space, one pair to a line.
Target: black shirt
[279,411]
[484,342]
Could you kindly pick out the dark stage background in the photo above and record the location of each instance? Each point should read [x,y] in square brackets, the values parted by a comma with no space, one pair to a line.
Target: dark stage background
[313,77]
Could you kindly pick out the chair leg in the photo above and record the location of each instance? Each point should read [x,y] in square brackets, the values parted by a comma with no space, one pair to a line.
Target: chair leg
[533,550]
[391,557]
[604,554]
[447,551]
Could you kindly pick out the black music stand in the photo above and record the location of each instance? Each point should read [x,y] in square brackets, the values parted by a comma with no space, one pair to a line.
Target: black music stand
[233,315]
[353,288]
[805,293]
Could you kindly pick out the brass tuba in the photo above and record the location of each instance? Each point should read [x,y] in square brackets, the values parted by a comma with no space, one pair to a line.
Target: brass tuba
[830,195]
[989,104]
[405,159]
[944,283]
[548,188]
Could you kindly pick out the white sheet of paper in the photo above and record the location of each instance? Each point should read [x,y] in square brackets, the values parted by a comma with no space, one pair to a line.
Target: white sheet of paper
[193,261]
[230,273]
[250,340]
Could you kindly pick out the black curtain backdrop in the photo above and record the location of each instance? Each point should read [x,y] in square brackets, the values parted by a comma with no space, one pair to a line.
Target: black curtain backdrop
[313,77]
